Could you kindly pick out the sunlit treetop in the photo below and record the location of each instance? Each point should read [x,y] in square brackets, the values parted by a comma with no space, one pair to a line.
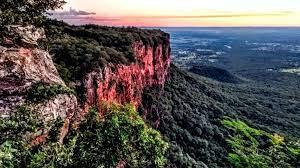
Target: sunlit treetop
[24,12]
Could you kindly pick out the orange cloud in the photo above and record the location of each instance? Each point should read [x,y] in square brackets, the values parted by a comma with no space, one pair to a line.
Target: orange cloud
[214,19]
[222,15]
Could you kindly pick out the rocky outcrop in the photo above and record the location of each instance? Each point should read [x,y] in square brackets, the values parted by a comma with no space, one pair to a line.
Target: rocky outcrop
[63,106]
[22,66]
[28,36]
[123,84]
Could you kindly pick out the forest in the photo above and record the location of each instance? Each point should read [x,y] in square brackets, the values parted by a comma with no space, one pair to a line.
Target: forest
[79,49]
[193,111]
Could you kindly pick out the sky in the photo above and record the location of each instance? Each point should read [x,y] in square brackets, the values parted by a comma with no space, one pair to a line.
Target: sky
[188,12]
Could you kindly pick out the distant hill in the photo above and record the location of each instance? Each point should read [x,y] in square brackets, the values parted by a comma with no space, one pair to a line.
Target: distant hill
[215,73]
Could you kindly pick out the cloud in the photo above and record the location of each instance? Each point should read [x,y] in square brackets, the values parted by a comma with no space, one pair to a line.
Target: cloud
[81,19]
[78,18]
[72,12]
[220,15]
[74,17]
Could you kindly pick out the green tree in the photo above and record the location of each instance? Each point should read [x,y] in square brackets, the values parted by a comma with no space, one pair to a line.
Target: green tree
[26,12]
[252,147]
[120,137]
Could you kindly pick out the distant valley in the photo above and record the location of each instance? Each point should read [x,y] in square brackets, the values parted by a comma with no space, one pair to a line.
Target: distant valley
[249,74]
[267,56]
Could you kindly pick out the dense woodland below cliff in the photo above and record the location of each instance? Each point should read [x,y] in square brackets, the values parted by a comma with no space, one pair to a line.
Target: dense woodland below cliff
[192,110]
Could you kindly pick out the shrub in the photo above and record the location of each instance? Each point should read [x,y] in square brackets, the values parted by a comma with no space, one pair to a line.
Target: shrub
[26,11]
[121,136]
[14,130]
[40,92]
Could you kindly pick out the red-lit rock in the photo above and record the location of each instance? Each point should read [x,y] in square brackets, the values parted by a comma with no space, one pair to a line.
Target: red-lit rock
[123,84]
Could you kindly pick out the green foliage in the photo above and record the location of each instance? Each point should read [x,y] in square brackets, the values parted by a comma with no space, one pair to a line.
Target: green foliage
[255,148]
[75,57]
[40,92]
[7,153]
[26,11]
[52,155]
[78,50]
[243,129]
[190,107]
[121,136]
[15,139]
[15,132]
[22,121]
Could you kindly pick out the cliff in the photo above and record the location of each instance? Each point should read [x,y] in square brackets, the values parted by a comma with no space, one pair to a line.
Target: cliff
[124,84]
[109,65]
[31,77]
[22,67]
[69,100]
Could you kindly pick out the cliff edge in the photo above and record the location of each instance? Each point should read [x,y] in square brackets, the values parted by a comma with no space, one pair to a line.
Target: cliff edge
[114,74]
[124,84]
[69,94]
[109,65]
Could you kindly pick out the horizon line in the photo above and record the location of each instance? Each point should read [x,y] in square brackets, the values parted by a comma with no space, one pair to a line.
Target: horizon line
[259,26]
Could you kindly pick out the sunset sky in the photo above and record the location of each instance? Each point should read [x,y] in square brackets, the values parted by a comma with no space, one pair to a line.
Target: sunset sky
[189,12]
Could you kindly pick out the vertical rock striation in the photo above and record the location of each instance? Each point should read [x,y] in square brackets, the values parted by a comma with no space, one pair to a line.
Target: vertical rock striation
[22,65]
[123,84]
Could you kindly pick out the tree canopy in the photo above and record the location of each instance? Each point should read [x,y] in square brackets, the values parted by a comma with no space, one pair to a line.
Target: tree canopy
[24,12]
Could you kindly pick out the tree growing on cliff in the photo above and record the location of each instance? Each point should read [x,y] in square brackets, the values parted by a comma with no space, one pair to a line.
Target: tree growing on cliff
[24,12]
[120,139]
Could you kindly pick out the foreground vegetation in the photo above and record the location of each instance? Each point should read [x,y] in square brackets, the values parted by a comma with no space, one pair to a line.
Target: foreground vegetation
[120,138]
[26,12]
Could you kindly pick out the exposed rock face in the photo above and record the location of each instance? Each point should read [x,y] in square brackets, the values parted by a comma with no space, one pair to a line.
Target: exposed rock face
[125,83]
[21,67]
[26,36]
[62,105]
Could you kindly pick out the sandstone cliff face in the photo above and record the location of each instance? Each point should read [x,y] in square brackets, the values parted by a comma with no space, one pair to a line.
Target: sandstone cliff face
[123,84]
[24,68]
[23,65]
[21,68]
